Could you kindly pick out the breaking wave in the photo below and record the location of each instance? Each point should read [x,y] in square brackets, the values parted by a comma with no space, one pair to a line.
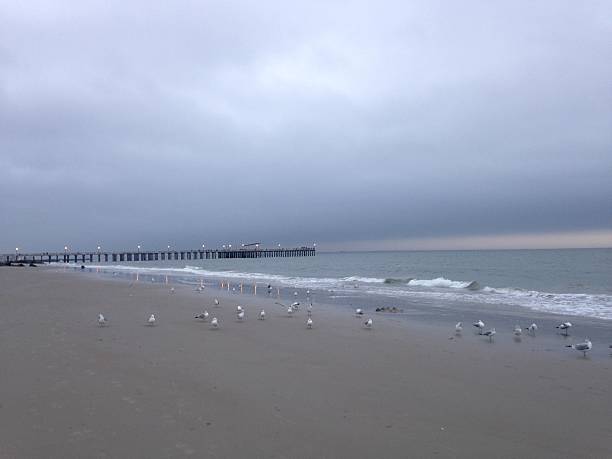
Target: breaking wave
[440,288]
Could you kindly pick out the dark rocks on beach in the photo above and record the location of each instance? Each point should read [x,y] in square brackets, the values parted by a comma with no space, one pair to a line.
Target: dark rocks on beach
[389,309]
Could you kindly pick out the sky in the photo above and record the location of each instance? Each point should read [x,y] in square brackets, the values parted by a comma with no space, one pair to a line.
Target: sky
[350,124]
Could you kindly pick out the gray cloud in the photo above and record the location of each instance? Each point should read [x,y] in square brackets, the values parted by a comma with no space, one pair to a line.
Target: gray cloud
[187,122]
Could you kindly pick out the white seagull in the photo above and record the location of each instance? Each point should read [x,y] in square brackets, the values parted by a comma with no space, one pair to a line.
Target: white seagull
[214,323]
[479,325]
[239,309]
[358,312]
[172,290]
[368,323]
[202,316]
[490,334]
[532,329]
[295,293]
[295,305]
[101,320]
[290,312]
[583,347]
[309,323]
[216,302]
[151,320]
[262,315]
[240,316]
[565,326]
[518,331]
[458,327]
[200,289]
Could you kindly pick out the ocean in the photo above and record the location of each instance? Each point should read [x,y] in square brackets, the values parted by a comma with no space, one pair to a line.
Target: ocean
[575,282]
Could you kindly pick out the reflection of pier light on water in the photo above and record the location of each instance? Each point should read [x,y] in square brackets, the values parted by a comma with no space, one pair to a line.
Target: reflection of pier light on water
[255,288]
[137,277]
[166,279]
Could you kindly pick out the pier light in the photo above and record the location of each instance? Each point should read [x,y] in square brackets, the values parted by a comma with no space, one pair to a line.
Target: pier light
[16,249]
[279,245]
[65,248]
[139,247]
[230,246]
[99,248]
[224,246]
[256,246]
[314,244]
[203,245]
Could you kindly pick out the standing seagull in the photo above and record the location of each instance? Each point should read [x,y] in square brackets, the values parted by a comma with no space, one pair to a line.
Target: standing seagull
[239,309]
[583,347]
[565,326]
[358,312]
[532,329]
[262,315]
[216,302]
[214,323]
[202,316]
[479,325]
[368,324]
[240,316]
[309,323]
[101,320]
[290,311]
[295,294]
[518,331]
[172,290]
[489,333]
[151,320]
[458,328]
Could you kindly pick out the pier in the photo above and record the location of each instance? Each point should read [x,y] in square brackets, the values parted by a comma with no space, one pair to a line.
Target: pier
[99,256]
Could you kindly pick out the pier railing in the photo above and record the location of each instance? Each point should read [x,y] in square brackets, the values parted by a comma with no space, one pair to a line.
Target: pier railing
[161,255]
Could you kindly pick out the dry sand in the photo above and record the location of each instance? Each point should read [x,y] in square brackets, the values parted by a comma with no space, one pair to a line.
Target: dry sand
[272,389]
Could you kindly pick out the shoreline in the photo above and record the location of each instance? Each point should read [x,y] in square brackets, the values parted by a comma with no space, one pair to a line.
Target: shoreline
[425,313]
[273,388]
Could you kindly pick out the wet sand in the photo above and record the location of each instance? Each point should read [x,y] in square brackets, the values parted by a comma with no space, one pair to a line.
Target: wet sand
[273,388]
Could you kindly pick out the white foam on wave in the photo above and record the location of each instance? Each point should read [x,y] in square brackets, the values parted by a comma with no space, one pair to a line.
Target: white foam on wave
[438,282]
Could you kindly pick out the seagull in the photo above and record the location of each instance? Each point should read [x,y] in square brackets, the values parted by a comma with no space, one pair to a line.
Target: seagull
[101,320]
[239,309]
[200,288]
[518,331]
[358,312]
[564,326]
[214,323]
[368,323]
[480,325]
[309,323]
[151,320]
[216,302]
[295,293]
[202,316]
[172,290]
[489,333]
[532,329]
[240,316]
[290,312]
[583,347]
[262,315]
[458,328]
[295,305]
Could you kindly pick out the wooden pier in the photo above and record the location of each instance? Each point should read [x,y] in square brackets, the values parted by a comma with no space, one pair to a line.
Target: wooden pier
[152,256]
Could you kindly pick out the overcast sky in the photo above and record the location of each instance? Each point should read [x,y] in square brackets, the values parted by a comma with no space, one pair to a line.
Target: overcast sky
[354,124]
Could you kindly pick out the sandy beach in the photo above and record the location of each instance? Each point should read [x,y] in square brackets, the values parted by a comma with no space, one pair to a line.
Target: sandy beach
[272,388]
